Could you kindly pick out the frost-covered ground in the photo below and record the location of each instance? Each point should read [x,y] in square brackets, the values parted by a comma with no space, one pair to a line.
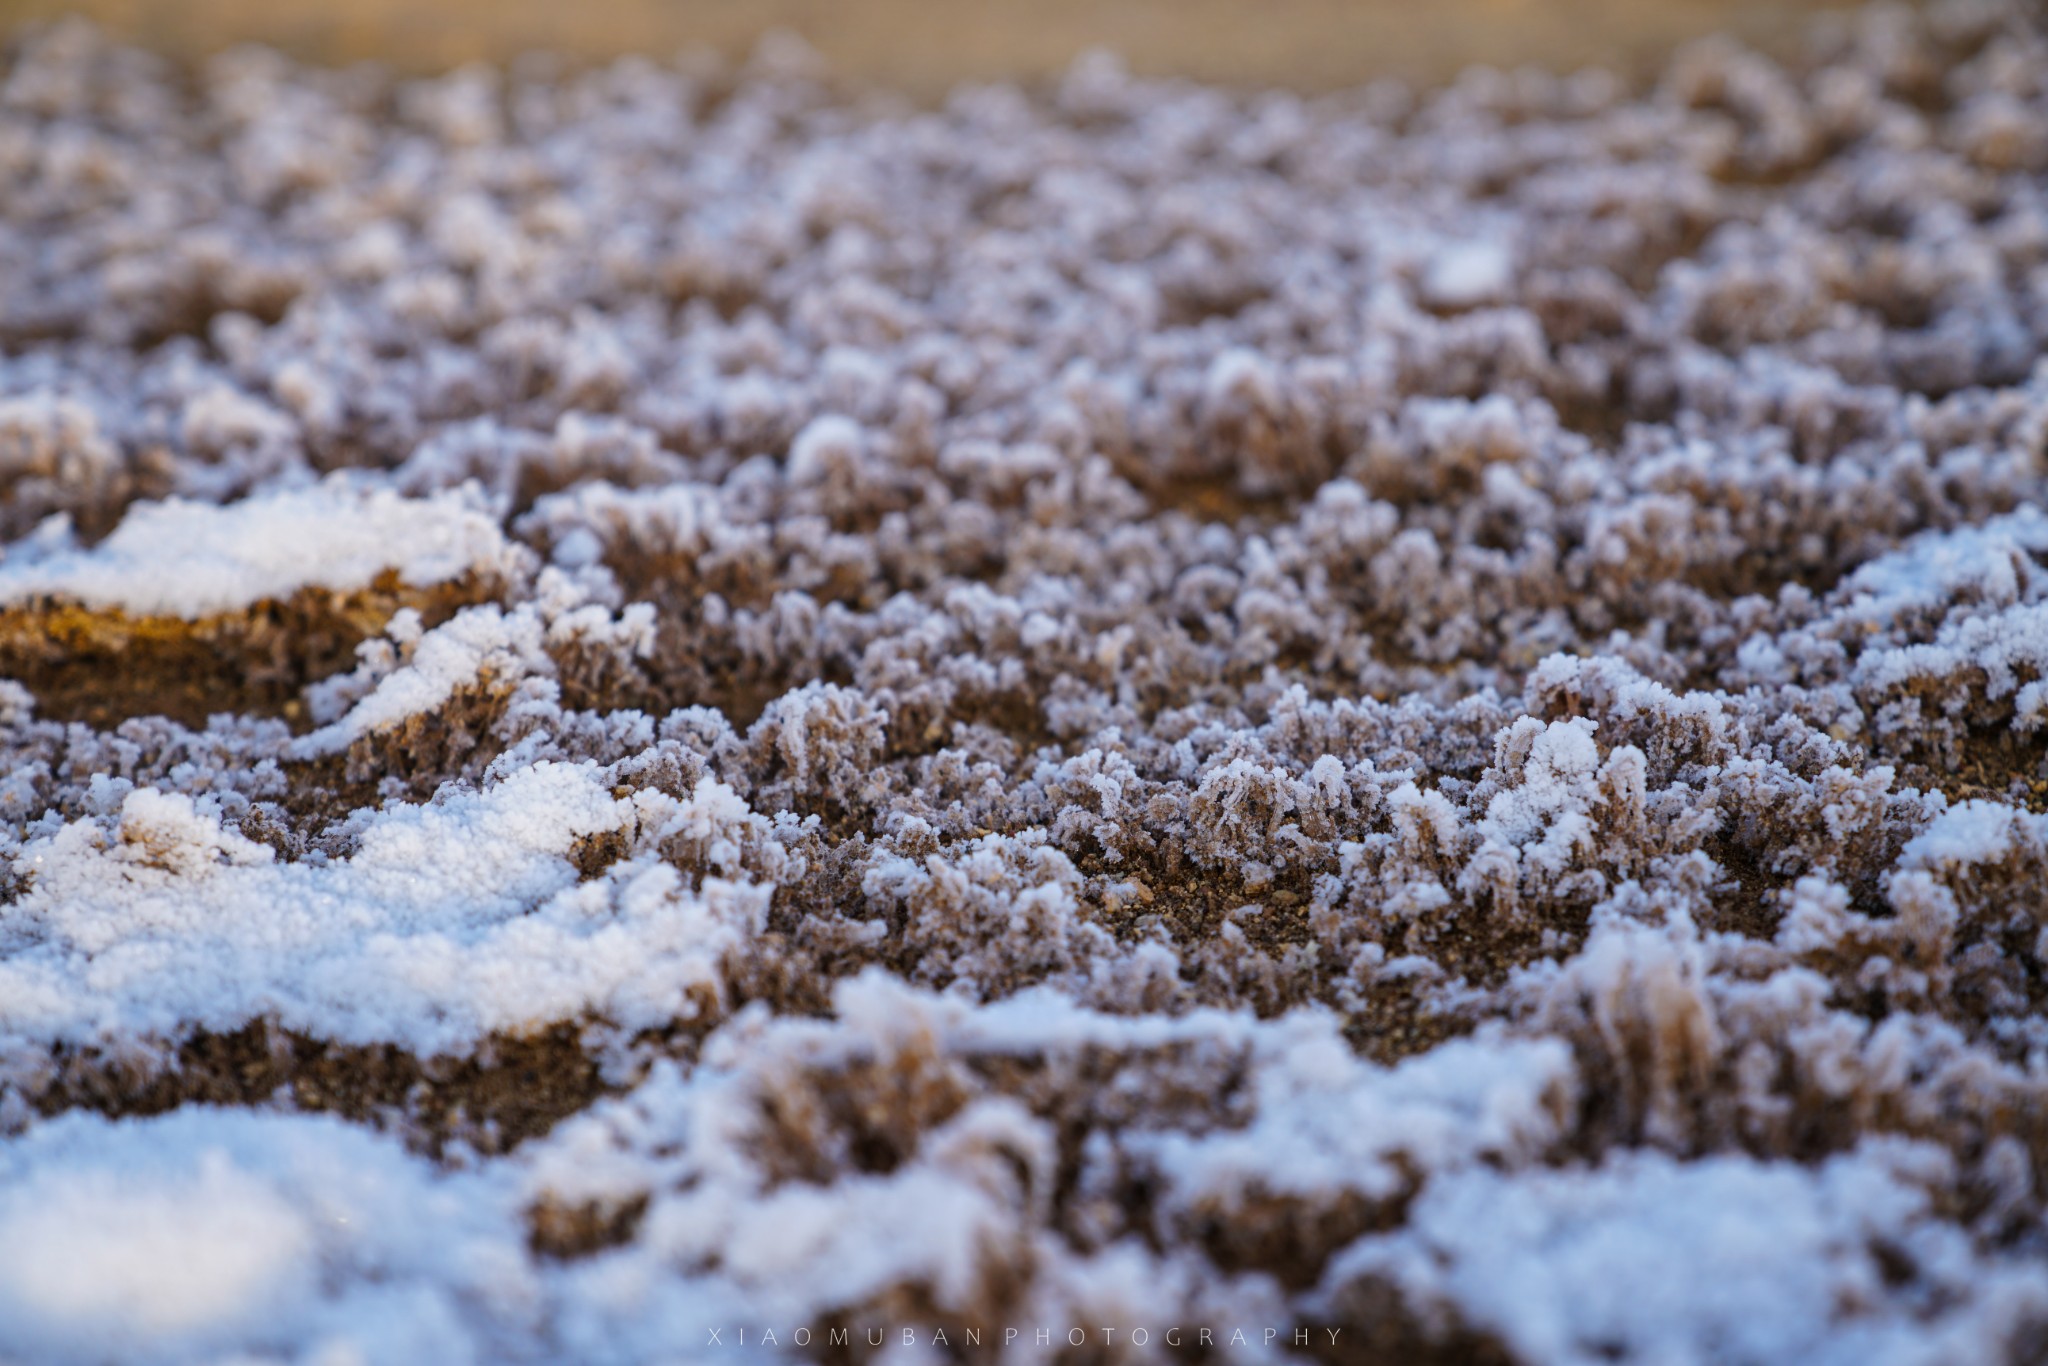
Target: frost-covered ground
[659,713]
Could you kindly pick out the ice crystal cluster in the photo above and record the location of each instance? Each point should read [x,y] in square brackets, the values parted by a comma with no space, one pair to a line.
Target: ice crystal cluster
[653,713]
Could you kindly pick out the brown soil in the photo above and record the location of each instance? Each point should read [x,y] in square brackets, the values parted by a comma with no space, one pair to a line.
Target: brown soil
[103,667]
[511,1089]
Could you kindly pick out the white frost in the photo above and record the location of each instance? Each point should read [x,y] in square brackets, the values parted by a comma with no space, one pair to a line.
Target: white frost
[204,1234]
[1720,1260]
[449,921]
[191,560]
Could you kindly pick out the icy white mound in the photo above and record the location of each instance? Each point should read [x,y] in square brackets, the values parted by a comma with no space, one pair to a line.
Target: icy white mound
[1646,1259]
[449,921]
[207,1233]
[185,559]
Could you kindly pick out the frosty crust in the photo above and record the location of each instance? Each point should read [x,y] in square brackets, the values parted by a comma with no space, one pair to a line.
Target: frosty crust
[1369,712]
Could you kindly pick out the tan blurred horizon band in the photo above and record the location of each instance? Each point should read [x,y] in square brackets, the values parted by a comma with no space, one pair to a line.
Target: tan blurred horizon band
[924,46]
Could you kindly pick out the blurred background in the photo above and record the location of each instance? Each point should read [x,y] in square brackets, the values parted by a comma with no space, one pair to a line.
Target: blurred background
[923,46]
